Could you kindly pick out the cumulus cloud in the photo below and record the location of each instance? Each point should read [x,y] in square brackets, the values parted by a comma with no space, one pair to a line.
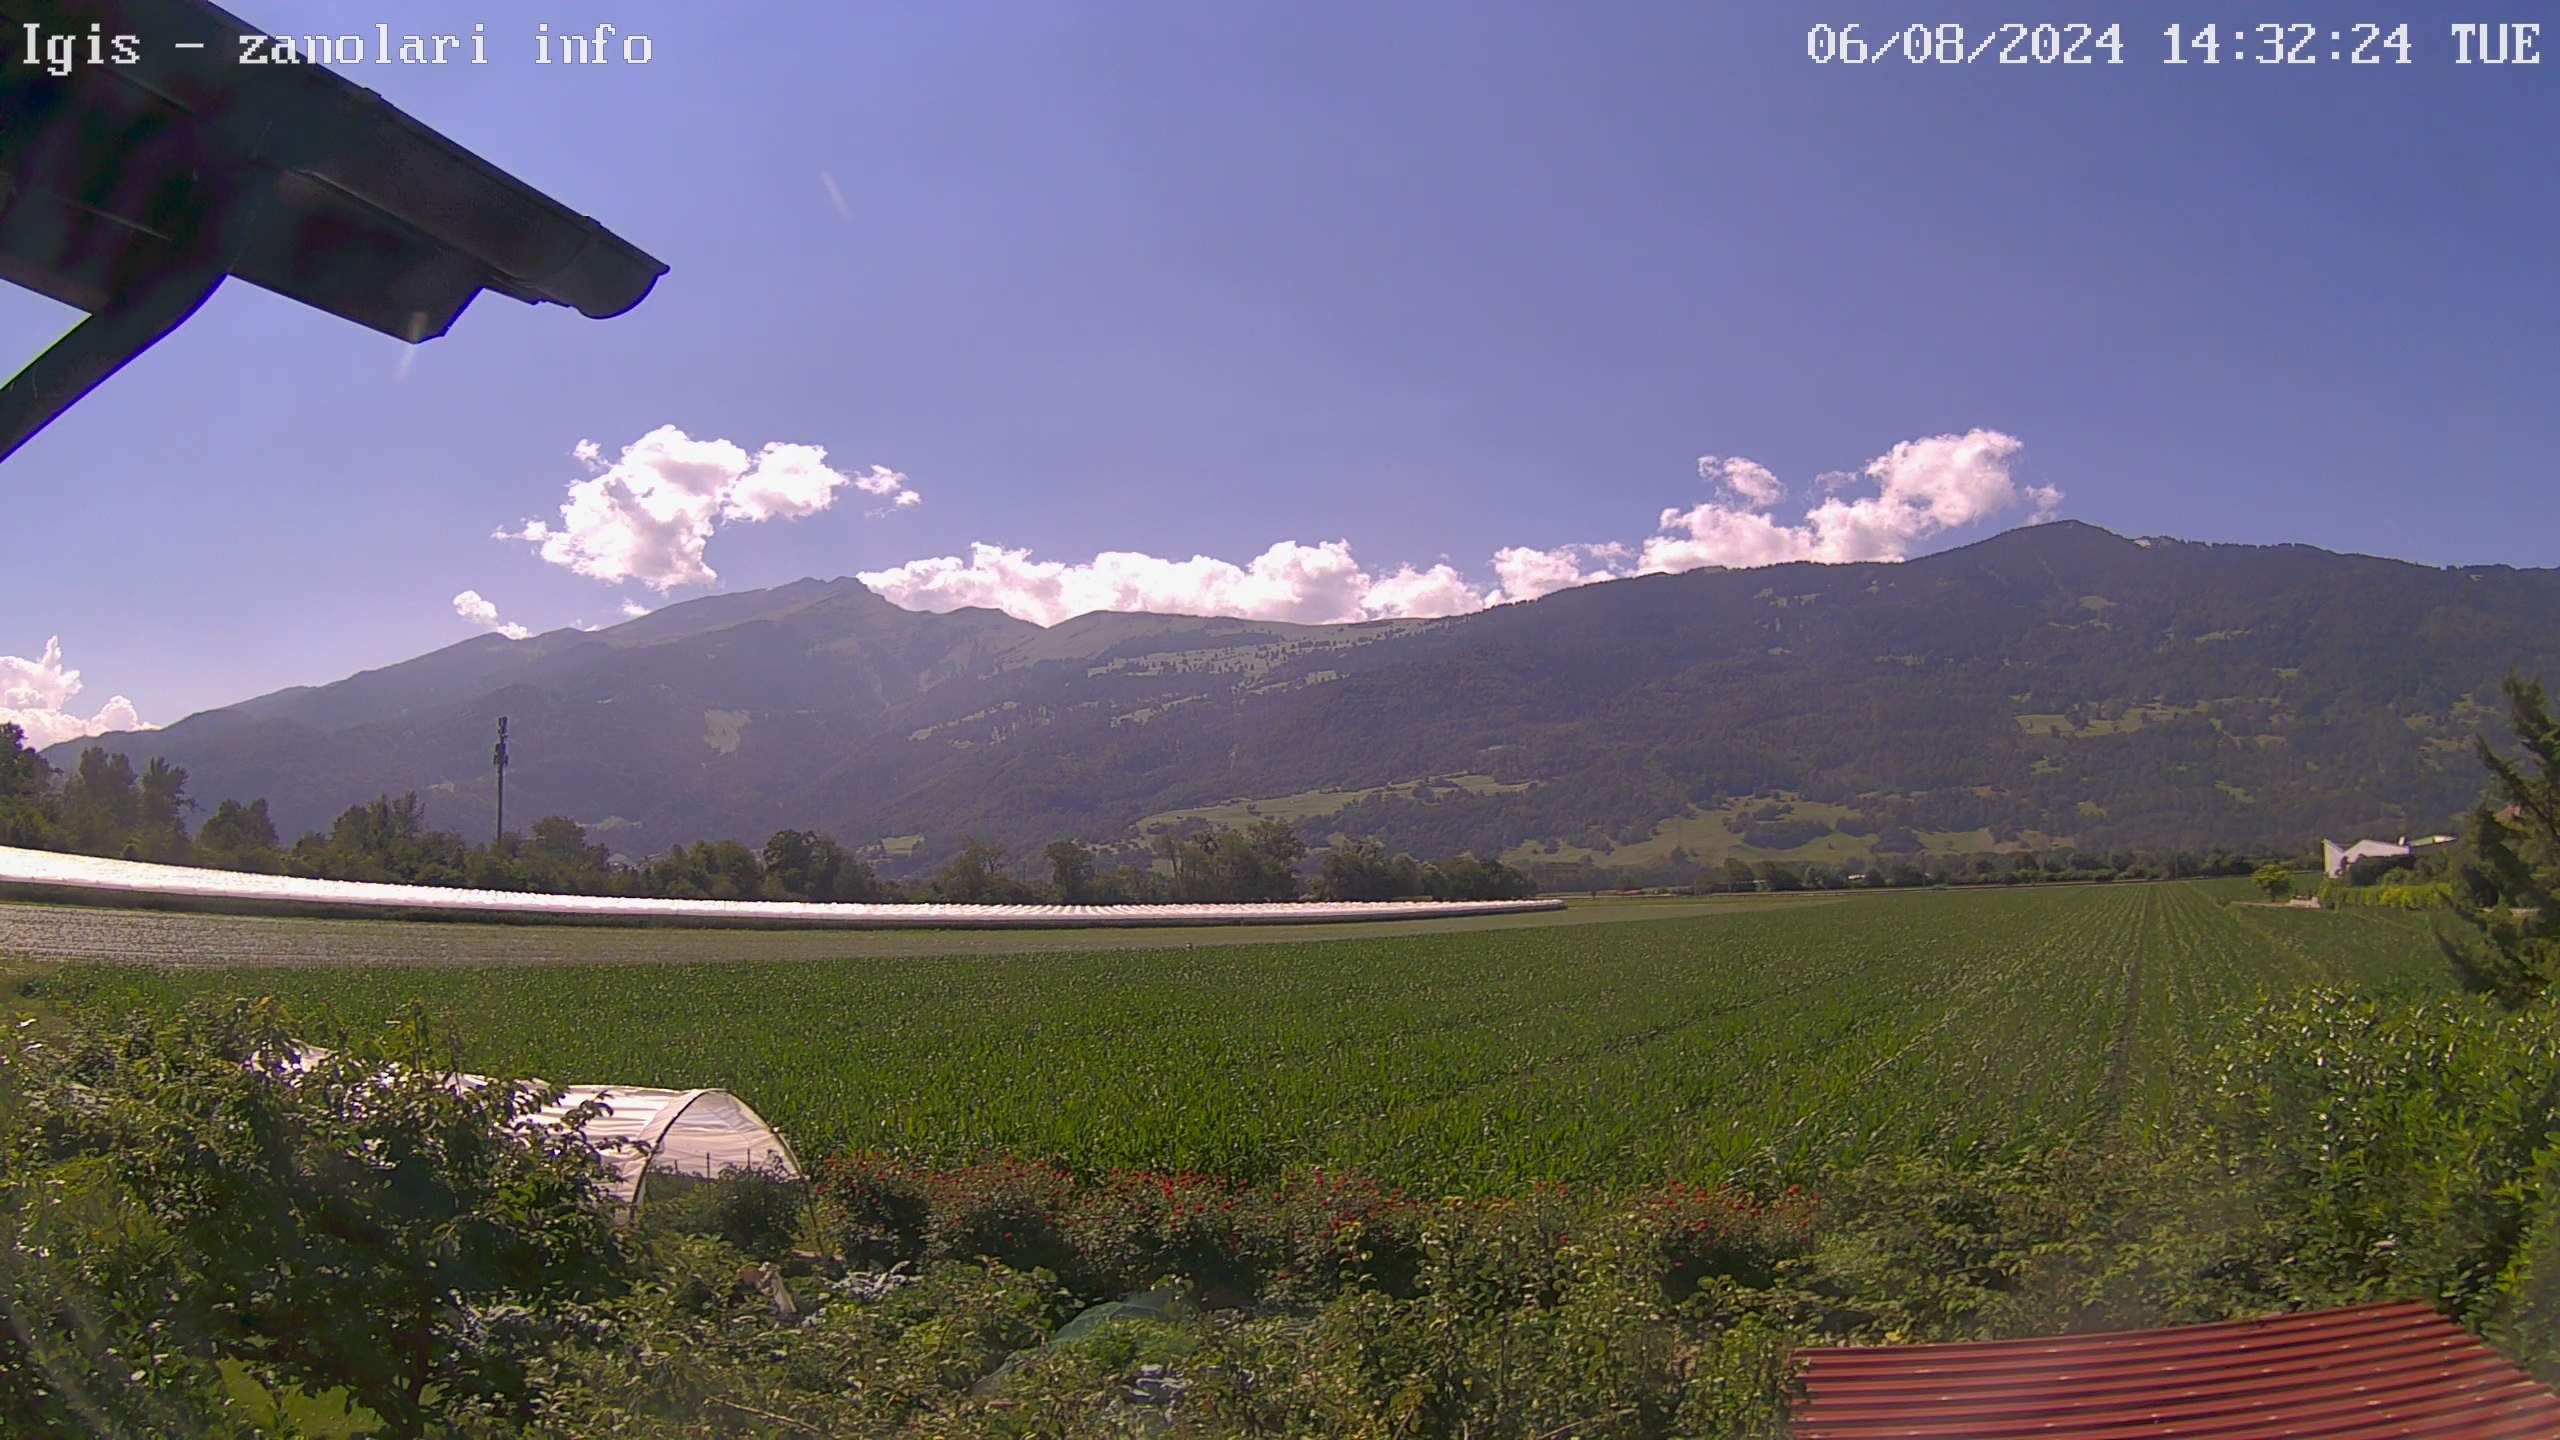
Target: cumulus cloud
[484,614]
[1422,594]
[648,515]
[1526,573]
[35,696]
[1749,482]
[633,610]
[1311,584]
[1921,489]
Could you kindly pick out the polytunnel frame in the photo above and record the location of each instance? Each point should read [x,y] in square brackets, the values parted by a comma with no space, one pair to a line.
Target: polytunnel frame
[651,1141]
[648,1143]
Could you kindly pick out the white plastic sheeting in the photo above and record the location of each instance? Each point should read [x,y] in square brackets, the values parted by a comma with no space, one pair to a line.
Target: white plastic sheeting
[643,1132]
[138,879]
[639,1132]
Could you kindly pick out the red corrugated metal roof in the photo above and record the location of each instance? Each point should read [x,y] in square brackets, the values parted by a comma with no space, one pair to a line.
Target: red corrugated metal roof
[2362,1373]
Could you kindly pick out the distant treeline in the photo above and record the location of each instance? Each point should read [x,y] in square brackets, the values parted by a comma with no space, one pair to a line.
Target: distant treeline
[103,807]
[2021,867]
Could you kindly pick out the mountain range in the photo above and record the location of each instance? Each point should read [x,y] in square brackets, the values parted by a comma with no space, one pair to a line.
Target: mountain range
[2053,685]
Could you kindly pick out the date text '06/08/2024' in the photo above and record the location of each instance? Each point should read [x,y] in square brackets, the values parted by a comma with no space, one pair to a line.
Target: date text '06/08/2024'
[58,54]
[2235,43]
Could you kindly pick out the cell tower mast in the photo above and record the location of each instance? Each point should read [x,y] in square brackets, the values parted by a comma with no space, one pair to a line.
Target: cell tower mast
[499,758]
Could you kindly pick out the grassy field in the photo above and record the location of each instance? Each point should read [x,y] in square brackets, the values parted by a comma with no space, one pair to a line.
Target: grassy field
[1710,837]
[1725,1038]
[1309,804]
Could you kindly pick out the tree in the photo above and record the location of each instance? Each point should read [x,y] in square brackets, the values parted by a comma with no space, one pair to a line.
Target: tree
[23,773]
[100,802]
[385,840]
[1357,870]
[978,875]
[1257,864]
[2275,881]
[556,858]
[557,837]
[2509,947]
[810,865]
[26,784]
[1071,872]
[708,870]
[238,837]
[367,1223]
[160,825]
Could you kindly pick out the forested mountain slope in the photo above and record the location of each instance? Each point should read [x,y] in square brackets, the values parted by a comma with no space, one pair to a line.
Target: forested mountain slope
[2056,683]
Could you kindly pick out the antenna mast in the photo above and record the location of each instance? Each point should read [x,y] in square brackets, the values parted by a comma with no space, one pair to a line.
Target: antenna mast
[499,758]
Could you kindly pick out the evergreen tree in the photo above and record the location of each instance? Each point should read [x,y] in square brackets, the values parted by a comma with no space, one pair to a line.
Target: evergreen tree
[2509,946]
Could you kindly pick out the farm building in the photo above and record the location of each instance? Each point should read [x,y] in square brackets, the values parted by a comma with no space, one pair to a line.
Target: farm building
[2336,859]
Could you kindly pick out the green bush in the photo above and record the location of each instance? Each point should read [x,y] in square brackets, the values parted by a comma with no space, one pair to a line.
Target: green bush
[1341,1232]
[1130,1229]
[2435,895]
[2528,1317]
[1011,1211]
[756,1208]
[2398,1149]
[181,1199]
[1691,1234]
[872,1208]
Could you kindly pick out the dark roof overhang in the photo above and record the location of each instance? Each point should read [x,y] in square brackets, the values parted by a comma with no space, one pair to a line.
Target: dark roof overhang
[132,190]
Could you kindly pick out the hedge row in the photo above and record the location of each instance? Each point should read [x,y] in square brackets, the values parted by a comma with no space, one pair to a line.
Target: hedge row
[1309,1238]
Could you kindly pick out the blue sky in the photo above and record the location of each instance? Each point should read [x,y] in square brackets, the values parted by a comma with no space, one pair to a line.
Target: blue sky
[1433,280]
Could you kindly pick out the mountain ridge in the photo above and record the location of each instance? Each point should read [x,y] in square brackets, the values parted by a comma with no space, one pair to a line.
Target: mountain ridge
[2053,682]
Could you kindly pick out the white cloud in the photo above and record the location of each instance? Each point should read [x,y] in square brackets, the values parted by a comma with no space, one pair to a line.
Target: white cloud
[35,696]
[1422,594]
[484,614]
[889,485]
[1922,488]
[633,610]
[1312,584]
[649,515]
[1748,481]
[1528,573]
[835,194]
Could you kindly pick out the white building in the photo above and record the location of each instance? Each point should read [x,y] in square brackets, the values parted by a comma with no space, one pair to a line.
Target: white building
[2336,858]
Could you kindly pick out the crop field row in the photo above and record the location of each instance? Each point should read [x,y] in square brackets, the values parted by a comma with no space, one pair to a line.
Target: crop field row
[1755,1041]
[2378,949]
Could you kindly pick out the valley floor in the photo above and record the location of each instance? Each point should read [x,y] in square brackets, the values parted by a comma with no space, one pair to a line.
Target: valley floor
[1744,1037]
